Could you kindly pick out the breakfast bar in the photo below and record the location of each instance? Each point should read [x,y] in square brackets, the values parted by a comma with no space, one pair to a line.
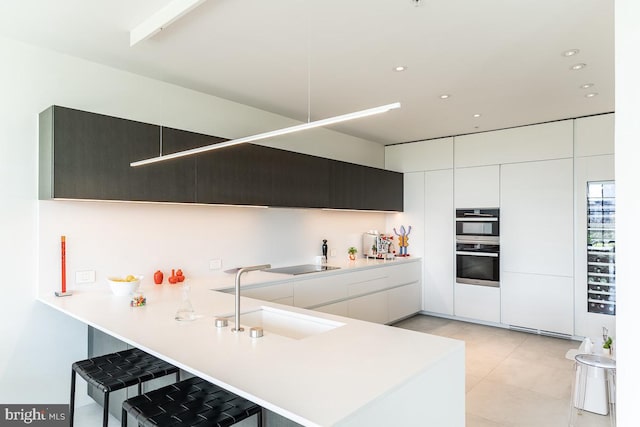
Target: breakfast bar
[330,371]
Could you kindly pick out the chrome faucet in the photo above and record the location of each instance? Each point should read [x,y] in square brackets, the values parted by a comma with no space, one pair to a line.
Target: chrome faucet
[238,272]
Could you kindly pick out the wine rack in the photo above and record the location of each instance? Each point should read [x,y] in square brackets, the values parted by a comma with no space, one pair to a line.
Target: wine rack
[601,247]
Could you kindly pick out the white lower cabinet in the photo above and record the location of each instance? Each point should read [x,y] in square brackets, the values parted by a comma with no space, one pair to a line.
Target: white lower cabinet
[382,295]
[372,308]
[539,302]
[404,301]
[478,302]
[338,308]
[276,293]
[309,293]
[284,301]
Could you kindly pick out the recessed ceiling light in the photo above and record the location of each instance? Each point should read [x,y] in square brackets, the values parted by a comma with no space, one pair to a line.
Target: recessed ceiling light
[578,66]
[586,86]
[591,95]
[445,96]
[400,68]
[570,52]
[476,115]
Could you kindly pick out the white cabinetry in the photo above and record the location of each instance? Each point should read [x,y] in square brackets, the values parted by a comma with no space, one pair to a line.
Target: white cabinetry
[594,135]
[281,293]
[420,156]
[404,300]
[310,293]
[536,217]
[523,144]
[338,308]
[380,294]
[477,187]
[478,302]
[439,242]
[372,308]
[538,302]
[413,213]
[536,227]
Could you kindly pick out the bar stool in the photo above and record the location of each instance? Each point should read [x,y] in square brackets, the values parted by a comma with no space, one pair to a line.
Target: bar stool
[593,387]
[116,371]
[192,402]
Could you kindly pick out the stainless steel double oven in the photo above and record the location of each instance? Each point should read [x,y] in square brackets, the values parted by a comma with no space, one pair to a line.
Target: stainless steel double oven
[478,247]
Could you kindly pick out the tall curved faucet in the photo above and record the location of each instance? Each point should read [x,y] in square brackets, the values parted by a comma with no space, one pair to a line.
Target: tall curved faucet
[238,272]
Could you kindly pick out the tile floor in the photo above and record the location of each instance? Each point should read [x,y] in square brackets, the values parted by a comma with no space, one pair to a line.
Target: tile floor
[513,378]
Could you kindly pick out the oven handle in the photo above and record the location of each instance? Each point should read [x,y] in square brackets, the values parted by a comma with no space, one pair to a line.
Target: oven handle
[488,254]
[476,219]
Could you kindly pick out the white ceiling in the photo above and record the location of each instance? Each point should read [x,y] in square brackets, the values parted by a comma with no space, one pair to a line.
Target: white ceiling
[499,58]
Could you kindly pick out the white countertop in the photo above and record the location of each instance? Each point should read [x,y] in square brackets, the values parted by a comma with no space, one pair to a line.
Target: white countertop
[226,281]
[320,380]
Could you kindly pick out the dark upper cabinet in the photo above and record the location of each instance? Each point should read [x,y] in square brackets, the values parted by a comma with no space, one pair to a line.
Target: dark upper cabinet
[365,188]
[236,175]
[250,174]
[86,156]
[300,180]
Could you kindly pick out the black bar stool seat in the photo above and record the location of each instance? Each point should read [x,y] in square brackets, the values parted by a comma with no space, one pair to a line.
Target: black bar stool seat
[116,371]
[192,402]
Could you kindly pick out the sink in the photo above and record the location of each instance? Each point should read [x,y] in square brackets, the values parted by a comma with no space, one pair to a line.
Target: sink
[285,323]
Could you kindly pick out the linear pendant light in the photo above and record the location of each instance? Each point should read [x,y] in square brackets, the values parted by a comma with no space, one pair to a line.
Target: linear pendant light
[160,20]
[271,134]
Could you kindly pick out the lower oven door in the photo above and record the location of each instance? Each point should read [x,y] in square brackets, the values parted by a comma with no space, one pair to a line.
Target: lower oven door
[478,268]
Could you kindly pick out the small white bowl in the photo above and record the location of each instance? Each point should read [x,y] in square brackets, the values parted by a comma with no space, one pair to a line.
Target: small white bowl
[124,288]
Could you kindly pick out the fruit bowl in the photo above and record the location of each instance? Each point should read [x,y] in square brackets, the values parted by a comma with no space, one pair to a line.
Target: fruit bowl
[124,285]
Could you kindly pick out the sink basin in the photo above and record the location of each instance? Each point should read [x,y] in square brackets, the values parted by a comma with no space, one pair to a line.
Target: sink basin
[285,323]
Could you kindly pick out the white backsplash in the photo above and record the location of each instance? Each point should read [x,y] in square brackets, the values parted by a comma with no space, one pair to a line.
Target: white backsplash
[140,238]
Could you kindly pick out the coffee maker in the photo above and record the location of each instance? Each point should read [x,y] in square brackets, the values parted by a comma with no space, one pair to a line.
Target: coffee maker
[375,245]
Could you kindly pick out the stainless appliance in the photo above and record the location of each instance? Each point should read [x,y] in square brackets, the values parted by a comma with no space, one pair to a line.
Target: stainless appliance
[378,246]
[478,247]
[478,224]
[478,262]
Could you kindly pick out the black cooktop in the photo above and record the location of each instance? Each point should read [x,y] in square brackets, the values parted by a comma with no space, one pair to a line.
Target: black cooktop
[301,269]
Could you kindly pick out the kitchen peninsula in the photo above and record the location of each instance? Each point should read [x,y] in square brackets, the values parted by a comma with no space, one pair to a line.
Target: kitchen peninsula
[353,373]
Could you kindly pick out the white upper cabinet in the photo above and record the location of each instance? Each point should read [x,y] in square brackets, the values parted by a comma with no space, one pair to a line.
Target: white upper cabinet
[528,143]
[594,135]
[477,187]
[536,217]
[420,156]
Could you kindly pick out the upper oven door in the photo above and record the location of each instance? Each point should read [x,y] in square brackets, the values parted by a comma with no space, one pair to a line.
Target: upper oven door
[477,223]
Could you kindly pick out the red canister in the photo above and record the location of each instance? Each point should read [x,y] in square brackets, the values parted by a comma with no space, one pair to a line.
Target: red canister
[158,277]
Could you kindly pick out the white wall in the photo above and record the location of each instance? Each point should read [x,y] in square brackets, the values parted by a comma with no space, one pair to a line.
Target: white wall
[627,127]
[38,344]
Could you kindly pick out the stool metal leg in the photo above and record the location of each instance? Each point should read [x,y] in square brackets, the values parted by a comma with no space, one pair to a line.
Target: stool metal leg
[611,395]
[72,398]
[105,411]
[260,417]
[578,393]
